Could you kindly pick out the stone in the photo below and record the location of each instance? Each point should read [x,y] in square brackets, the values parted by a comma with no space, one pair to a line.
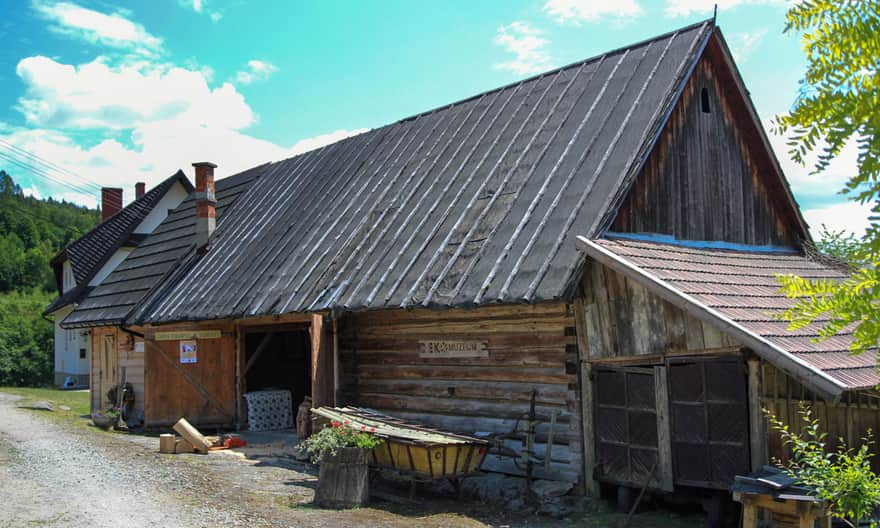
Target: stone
[550,488]
[39,405]
[64,407]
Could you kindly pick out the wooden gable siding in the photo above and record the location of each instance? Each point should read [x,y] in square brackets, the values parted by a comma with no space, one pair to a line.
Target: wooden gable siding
[709,177]
[530,348]
[623,319]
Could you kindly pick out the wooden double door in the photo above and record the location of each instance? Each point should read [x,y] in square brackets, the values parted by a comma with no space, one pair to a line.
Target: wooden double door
[684,423]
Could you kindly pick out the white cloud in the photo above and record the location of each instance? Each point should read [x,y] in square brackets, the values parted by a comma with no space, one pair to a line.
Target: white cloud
[305,145]
[200,7]
[255,70]
[577,11]
[683,8]
[527,46]
[851,217]
[33,192]
[743,44]
[113,30]
[100,95]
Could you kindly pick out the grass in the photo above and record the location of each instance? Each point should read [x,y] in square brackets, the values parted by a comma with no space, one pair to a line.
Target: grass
[78,401]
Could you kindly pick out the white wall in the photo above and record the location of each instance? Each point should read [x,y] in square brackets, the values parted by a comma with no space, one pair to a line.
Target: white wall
[67,349]
[67,280]
[110,265]
[171,200]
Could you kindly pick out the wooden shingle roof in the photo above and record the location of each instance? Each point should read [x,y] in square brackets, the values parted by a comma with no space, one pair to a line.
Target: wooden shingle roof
[737,290]
[472,203]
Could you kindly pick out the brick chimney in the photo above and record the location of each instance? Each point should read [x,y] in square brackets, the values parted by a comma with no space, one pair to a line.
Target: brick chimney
[111,202]
[139,189]
[205,201]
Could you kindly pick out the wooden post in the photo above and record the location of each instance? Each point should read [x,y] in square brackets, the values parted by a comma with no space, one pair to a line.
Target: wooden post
[664,435]
[591,487]
[322,362]
[757,433]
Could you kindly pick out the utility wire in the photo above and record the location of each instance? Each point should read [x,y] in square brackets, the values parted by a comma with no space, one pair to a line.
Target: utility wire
[47,163]
[43,174]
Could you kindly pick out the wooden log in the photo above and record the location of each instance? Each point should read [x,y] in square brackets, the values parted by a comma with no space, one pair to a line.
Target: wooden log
[181,445]
[166,443]
[186,430]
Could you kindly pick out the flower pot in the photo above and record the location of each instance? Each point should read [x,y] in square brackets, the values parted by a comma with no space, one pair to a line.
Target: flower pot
[343,479]
[103,422]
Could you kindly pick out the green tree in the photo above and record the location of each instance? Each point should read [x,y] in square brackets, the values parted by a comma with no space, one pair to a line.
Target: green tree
[839,104]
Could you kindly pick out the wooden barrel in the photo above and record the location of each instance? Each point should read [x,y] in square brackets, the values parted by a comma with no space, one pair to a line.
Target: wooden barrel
[343,479]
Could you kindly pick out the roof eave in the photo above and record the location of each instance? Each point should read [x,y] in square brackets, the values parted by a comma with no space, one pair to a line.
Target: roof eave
[815,379]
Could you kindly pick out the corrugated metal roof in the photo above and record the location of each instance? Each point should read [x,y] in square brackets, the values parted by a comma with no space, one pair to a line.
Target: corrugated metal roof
[88,253]
[472,203]
[716,272]
[154,259]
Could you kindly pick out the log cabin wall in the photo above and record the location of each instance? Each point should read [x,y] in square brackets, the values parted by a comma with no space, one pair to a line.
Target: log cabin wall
[530,348]
[203,392]
[849,419]
[708,177]
[131,369]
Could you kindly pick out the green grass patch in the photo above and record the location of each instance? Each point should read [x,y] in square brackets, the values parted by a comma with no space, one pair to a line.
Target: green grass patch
[78,401]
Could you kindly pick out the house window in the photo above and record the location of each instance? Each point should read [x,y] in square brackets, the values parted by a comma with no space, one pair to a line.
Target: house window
[82,353]
[704,101]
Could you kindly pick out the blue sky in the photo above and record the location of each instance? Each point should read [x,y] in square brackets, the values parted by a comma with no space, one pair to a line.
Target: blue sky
[113,92]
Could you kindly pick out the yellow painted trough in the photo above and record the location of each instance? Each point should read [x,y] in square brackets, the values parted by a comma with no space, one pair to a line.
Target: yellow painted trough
[411,448]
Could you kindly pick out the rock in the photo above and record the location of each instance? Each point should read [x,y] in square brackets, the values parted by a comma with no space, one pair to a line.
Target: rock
[39,405]
[494,488]
[550,488]
[64,407]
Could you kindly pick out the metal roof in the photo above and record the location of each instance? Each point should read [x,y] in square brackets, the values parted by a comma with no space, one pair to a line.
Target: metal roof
[88,253]
[472,203]
[740,287]
[153,260]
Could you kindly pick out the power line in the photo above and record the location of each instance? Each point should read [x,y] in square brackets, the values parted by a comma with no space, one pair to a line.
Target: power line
[48,163]
[42,173]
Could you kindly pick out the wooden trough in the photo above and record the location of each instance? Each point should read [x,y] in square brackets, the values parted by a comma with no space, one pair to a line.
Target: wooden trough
[414,450]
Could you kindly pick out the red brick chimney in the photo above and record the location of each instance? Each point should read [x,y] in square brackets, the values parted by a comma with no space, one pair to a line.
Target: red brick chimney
[139,189]
[205,201]
[111,202]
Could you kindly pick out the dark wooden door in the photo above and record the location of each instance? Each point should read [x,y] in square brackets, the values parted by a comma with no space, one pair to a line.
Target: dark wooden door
[632,426]
[710,421]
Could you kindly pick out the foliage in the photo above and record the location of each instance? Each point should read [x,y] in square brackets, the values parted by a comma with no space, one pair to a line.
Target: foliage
[337,435]
[838,105]
[32,231]
[843,477]
[841,245]
[25,339]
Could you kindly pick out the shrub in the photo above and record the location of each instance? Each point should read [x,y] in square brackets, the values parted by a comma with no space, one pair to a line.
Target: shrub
[843,478]
[337,435]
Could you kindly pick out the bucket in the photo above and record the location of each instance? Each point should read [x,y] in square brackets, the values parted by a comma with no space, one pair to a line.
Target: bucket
[343,480]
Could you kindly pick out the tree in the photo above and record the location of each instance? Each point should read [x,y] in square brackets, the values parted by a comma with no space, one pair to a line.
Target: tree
[838,104]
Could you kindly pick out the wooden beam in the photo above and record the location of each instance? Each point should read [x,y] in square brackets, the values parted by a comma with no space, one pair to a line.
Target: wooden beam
[322,362]
[757,432]
[591,486]
[260,348]
[664,435]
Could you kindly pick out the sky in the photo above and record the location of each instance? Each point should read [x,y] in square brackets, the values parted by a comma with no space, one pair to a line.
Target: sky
[107,93]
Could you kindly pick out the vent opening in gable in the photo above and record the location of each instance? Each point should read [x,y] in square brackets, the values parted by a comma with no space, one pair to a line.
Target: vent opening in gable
[704,101]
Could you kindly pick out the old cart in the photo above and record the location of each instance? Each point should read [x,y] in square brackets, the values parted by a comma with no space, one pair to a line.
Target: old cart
[413,450]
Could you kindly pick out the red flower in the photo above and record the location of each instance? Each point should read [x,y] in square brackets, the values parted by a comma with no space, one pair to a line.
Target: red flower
[335,423]
[363,427]
[346,422]
[372,429]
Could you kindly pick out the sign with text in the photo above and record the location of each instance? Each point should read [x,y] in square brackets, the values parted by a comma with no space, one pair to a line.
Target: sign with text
[187,334]
[188,351]
[444,348]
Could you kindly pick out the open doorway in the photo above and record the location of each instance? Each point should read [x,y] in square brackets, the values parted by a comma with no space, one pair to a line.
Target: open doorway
[278,360]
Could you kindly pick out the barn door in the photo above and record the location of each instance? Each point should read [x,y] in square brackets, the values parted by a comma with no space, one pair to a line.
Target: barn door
[632,427]
[710,421]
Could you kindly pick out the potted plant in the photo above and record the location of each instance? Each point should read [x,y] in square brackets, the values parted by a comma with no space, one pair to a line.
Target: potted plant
[342,451]
[107,419]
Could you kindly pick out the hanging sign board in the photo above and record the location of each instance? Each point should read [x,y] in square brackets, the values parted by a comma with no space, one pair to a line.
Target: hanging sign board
[187,334]
[452,349]
[188,351]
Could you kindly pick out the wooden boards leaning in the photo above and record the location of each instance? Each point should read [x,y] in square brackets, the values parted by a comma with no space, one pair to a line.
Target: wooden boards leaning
[192,435]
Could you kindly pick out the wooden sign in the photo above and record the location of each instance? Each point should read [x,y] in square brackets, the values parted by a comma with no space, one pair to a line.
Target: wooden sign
[187,334]
[188,351]
[452,349]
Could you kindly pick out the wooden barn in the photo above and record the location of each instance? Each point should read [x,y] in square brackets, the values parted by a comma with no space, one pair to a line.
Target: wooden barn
[582,262]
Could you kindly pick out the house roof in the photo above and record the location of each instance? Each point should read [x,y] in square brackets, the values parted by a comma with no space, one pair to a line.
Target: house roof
[90,252]
[155,258]
[735,288]
[472,203]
